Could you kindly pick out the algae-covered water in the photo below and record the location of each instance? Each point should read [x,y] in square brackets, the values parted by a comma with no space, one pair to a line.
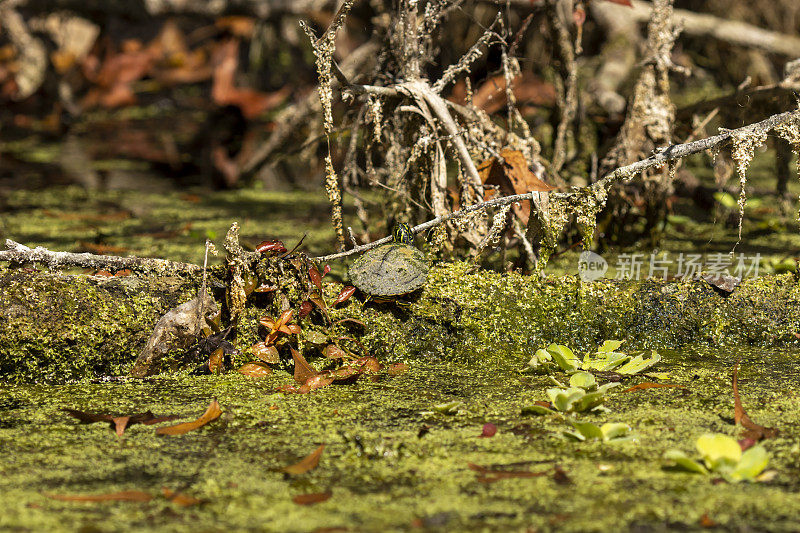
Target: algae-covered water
[403,452]
[391,461]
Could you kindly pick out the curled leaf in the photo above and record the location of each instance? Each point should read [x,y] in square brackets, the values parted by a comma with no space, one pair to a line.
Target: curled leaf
[274,246]
[212,413]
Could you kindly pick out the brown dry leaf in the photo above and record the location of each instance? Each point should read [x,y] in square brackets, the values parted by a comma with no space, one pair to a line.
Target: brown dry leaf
[397,369]
[223,92]
[309,499]
[119,423]
[302,370]
[649,385]
[179,498]
[238,25]
[124,496]
[513,176]
[488,475]
[309,462]
[211,414]
[754,431]
[255,370]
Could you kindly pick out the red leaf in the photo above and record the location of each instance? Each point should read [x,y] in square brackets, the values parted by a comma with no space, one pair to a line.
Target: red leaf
[325,270]
[271,246]
[489,430]
[344,295]
[305,309]
[621,2]
[309,499]
[316,279]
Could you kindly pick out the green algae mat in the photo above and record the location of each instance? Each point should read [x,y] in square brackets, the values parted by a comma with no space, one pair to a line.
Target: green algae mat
[401,452]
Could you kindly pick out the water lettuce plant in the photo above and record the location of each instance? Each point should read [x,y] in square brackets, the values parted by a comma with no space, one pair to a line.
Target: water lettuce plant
[606,359]
[582,395]
[610,431]
[722,455]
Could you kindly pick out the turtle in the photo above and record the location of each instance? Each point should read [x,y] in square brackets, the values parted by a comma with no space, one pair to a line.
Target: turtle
[390,271]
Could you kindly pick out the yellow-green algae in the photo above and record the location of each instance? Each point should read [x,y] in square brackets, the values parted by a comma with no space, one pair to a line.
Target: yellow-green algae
[382,474]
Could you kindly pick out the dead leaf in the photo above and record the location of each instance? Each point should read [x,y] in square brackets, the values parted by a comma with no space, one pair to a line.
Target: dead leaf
[223,91]
[489,430]
[255,370]
[179,498]
[216,362]
[488,475]
[310,499]
[121,422]
[212,413]
[302,370]
[397,369]
[309,462]
[513,176]
[649,385]
[124,496]
[753,431]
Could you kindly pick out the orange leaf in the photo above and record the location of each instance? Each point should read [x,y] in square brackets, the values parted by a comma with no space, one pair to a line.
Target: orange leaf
[255,370]
[215,361]
[124,496]
[754,431]
[309,499]
[302,370]
[649,385]
[211,414]
[309,462]
[179,498]
[285,317]
[397,369]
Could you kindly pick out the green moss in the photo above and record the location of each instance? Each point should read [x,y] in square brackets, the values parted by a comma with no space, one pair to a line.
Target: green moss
[383,472]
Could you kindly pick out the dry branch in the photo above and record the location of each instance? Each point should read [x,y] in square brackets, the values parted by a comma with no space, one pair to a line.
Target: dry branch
[21,254]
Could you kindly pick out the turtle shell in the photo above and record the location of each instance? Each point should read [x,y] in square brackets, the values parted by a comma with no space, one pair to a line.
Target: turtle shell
[390,270]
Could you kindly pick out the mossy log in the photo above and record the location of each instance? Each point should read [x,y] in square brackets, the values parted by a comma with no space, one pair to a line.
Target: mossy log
[58,327]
